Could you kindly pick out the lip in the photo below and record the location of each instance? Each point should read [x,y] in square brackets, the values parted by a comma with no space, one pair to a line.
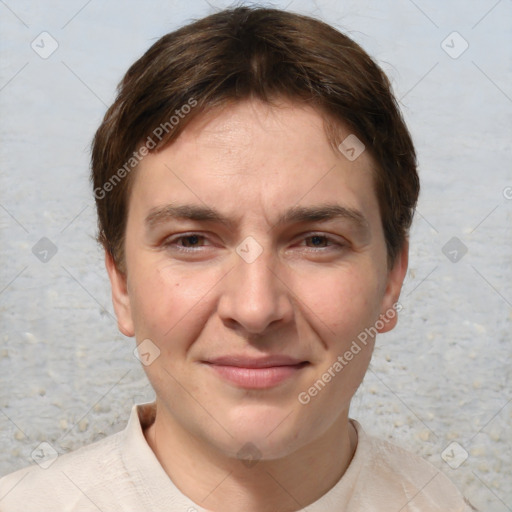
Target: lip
[256,373]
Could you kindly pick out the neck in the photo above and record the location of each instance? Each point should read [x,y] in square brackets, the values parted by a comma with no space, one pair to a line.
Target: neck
[219,482]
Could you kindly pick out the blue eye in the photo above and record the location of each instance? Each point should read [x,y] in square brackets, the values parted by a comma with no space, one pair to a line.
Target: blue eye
[318,241]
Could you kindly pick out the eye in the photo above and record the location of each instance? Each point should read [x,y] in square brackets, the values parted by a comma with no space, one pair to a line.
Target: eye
[317,241]
[186,242]
[322,241]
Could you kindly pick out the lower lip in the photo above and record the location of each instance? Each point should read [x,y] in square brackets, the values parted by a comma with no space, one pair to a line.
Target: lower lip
[257,378]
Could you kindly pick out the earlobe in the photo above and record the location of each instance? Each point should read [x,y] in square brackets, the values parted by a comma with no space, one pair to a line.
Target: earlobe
[390,304]
[120,296]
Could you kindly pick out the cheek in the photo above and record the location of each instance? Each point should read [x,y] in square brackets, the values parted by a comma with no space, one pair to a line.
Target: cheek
[169,306]
[343,302]
[340,307]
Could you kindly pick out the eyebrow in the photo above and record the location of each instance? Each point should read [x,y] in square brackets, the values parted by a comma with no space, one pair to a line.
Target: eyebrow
[168,212]
[295,215]
[323,213]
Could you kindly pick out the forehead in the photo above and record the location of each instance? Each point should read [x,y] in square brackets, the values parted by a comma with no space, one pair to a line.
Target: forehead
[249,127]
[258,157]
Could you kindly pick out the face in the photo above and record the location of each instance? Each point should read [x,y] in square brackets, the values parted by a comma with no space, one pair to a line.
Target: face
[255,257]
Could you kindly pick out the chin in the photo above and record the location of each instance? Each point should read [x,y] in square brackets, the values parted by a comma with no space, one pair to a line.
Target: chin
[272,432]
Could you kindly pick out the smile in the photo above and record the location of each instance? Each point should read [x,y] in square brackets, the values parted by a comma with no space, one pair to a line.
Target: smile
[256,373]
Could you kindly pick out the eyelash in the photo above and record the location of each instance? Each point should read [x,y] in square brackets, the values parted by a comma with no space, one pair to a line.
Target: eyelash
[173,242]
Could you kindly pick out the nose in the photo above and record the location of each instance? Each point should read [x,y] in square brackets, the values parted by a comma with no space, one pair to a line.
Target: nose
[255,296]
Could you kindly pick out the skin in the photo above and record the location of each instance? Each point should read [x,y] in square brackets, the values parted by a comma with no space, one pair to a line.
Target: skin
[304,296]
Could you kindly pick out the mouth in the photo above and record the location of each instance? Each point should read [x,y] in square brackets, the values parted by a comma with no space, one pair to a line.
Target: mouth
[256,373]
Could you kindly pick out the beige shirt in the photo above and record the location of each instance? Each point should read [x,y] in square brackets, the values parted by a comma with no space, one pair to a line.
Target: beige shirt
[121,473]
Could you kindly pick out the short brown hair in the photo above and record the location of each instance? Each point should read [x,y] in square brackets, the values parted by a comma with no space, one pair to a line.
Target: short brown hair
[242,53]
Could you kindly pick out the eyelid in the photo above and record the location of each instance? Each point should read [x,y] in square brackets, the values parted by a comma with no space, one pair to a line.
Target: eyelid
[334,239]
[173,240]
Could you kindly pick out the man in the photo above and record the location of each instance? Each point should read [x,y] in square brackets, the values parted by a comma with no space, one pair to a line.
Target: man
[255,184]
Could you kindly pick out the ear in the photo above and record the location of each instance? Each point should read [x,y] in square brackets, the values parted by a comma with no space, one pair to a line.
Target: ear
[120,297]
[396,276]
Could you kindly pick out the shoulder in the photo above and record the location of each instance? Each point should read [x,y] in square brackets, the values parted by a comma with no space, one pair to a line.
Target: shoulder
[62,483]
[400,477]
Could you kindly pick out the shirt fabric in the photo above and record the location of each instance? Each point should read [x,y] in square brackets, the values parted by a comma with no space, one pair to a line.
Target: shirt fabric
[122,474]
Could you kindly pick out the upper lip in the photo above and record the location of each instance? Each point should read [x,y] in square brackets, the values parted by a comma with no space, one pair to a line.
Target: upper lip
[242,361]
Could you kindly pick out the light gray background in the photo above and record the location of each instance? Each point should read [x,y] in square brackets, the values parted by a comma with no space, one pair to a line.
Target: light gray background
[68,377]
